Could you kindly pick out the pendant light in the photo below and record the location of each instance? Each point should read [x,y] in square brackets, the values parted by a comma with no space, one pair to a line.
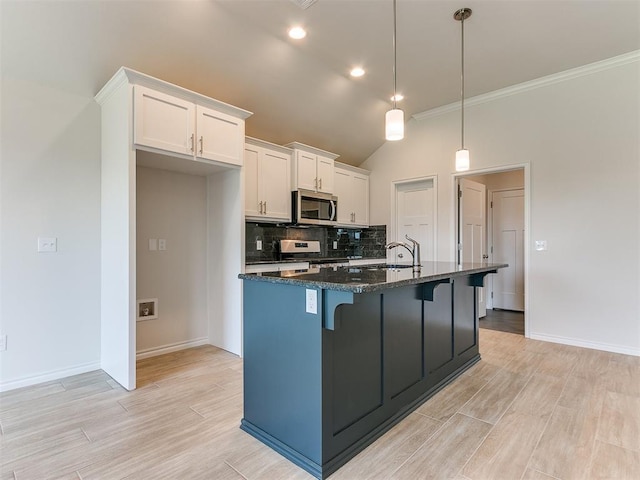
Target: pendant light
[462,155]
[394,119]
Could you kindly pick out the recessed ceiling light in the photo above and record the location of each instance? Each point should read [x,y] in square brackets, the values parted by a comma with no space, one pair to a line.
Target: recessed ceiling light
[397,97]
[357,72]
[297,33]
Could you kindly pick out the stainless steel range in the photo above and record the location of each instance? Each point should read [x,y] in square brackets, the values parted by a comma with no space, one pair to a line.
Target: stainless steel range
[307,251]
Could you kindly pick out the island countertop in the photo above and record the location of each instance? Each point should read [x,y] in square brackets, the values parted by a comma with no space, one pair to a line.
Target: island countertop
[371,278]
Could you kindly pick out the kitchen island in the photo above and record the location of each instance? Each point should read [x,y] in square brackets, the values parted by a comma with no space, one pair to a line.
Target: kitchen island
[335,356]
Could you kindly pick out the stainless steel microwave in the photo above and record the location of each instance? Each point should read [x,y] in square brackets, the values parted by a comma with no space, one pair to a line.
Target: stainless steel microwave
[312,208]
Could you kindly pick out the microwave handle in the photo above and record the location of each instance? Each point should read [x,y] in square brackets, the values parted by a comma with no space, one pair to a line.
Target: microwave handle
[333,210]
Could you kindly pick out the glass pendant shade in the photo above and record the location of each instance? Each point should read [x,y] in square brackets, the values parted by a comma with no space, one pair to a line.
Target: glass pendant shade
[394,124]
[462,160]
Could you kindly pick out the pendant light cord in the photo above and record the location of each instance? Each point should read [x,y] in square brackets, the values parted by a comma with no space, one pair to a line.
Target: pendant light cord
[462,77]
[394,56]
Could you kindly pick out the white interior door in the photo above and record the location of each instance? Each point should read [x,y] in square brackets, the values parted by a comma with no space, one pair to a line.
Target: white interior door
[508,247]
[472,199]
[415,214]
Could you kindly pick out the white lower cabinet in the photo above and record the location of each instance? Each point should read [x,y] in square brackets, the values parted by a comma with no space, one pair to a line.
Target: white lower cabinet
[351,186]
[266,172]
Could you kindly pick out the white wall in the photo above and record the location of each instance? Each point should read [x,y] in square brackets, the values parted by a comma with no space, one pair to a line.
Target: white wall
[172,206]
[50,147]
[511,179]
[580,137]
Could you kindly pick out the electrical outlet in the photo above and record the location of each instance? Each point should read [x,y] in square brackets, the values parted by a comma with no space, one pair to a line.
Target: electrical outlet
[335,244]
[312,301]
[162,244]
[3,342]
[258,244]
[47,244]
[541,245]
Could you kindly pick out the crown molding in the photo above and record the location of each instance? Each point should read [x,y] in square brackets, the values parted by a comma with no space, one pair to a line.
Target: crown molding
[577,72]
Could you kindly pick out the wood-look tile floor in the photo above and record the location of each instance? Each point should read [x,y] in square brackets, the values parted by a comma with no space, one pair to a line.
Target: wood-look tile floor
[529,410]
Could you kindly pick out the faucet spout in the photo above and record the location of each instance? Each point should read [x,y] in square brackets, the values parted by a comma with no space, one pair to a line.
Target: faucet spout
[414,250]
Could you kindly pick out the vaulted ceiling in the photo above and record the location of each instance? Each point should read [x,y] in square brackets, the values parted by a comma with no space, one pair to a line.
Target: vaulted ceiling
[238,51]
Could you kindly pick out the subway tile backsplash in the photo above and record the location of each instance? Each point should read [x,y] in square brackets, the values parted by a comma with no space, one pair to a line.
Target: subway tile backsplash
[363,242]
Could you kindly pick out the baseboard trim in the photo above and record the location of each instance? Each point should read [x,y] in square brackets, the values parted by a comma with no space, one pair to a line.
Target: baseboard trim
[172,347]
[48,376]
[607,347]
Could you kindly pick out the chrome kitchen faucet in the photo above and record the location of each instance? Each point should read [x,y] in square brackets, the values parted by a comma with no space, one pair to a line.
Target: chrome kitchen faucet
[413,249]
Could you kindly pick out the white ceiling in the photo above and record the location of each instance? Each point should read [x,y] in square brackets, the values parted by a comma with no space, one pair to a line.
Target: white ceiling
[237,51]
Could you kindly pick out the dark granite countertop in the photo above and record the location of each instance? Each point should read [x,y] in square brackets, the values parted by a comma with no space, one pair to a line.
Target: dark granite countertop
[313,260]
[370,278]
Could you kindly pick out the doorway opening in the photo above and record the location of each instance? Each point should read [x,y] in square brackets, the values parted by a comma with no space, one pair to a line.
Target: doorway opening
[414,212]
[492,226]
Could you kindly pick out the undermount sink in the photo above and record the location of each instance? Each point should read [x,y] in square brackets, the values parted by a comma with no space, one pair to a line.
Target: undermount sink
[393,266]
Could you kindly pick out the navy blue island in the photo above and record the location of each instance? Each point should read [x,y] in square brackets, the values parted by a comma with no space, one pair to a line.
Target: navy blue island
[335,356]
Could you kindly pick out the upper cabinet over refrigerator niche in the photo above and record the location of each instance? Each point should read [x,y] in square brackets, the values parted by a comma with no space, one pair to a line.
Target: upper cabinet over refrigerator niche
[169,119]
[312,168]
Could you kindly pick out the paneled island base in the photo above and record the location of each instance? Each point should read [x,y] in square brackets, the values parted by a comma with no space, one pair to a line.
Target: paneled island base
[320,387]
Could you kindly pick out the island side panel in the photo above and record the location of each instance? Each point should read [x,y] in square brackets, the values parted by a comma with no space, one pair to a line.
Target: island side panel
[438,333]
[283,369]
[465,310]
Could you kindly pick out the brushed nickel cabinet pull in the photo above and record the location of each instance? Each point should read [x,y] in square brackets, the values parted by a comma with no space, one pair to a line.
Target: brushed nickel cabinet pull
[261,207]
[192,140]
[201,145]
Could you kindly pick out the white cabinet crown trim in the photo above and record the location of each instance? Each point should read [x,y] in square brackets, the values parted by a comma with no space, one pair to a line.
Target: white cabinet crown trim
[314,150]
[271,146]
[127,75]
[346,166]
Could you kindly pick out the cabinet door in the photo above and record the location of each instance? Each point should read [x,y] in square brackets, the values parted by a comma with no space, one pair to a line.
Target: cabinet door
[360,197]
[274,181]
[220,136]
[342,190]
[306,171]
[251,189]
[325,168]
[162,121]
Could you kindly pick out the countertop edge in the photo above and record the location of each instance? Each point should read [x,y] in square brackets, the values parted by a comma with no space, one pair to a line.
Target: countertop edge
[372,287]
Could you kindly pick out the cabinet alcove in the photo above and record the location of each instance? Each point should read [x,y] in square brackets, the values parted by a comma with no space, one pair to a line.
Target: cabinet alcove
[148,122]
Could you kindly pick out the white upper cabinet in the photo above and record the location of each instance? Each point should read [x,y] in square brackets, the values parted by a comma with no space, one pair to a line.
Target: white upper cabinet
[312,168]
[267,170]
[162,121]
[170,119]
[352,190]
[220,136]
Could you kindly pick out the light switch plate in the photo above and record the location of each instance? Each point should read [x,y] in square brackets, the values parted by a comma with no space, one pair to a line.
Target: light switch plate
[312,301]
[47,244]
[335,244]
[153,244]
[258,244]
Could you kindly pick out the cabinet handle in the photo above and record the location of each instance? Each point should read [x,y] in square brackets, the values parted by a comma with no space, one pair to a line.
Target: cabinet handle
[315,183]
[260,207]
[265,208]
[201,144]
[320,184]
[192,140]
